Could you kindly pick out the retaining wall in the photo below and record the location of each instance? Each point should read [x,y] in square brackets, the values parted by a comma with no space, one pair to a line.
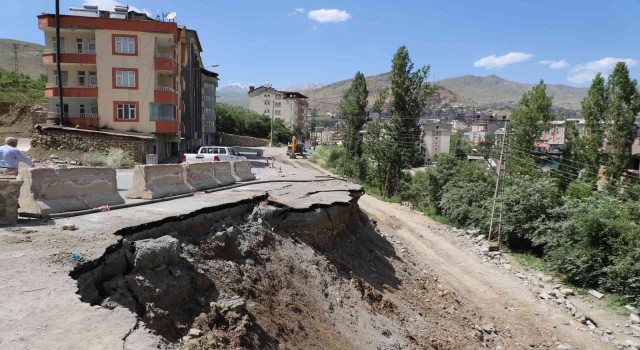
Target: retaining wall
[242,141]
[158,181]
[47,191]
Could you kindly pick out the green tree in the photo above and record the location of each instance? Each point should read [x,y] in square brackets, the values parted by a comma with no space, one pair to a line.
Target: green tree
[353,109]
[530,119]
[623,106]
[410,91]
[594,108]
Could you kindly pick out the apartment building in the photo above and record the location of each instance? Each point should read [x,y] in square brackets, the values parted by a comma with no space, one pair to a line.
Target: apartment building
[553,139]
[436,138]
[290,106]
[121,70]
[209,86]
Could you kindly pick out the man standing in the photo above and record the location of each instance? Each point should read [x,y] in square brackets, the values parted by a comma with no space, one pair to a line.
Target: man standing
[10,156]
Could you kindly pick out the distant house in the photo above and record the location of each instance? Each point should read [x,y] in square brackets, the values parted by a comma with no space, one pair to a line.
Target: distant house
[290,106]
[553,139]
[483,127]
[436,138]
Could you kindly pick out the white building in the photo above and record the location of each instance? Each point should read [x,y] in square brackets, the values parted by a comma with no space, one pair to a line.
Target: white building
[290,106]
[436,138]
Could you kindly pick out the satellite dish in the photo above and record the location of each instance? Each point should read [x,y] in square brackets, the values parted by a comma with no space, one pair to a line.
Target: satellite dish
[171,15]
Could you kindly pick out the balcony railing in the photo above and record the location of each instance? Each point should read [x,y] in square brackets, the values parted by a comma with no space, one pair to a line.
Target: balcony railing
[167,118]
[68,85]
[165,88]
[73,50]
[73,115]
[163,55]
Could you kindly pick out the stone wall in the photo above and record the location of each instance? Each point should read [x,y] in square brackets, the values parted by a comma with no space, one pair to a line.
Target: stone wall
[63,138]
[241,141]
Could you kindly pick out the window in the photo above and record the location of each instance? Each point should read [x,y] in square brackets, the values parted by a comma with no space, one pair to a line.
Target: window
[91,46]
[82,110]
[81,79]
[267,102]
[94,109]
[53,44]
[65,75]
[124,45]
[125,79]
[278,104]
[79,46]
[93,79]
[126,111]
[66,109]
[161,111]
[277,112]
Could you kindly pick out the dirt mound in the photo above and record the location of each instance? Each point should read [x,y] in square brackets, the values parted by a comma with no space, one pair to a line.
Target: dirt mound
[253,282]
[18,120]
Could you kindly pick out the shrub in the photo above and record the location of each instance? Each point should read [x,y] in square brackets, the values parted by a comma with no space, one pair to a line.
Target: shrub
[115,158]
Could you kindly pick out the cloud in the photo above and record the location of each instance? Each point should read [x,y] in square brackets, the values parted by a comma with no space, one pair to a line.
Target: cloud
[493,61]
[329,15]
[108,5]
[299,10]
[585,72]
[555,64]
[314,27]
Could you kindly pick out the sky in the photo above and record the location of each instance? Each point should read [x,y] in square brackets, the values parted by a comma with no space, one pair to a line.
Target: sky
[293,42]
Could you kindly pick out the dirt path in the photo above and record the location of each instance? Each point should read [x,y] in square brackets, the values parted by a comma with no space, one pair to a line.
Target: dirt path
[526,321]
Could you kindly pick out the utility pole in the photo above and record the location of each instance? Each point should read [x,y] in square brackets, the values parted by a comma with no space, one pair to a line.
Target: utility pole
[273,106]
[495,226]
[15,60]
[58,56]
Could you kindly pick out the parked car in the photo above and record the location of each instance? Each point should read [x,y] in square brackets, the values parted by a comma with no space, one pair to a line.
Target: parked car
[212,154]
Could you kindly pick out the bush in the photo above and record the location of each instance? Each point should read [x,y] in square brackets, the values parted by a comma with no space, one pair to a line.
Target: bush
[336,158]
[115,158]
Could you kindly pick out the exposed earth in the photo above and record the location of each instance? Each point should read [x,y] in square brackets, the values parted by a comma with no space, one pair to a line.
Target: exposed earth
[287,265]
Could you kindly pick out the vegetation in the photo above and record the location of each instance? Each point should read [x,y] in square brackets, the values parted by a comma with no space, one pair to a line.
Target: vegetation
[21,89]
[353,108]
[241,121]
[114,158]
[393,148]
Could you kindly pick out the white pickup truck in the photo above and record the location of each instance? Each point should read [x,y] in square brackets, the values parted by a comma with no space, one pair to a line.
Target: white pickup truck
[212,154]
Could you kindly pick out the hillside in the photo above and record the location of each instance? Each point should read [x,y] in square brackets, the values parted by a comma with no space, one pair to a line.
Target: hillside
[493,89]
[29,58]
[326,98]
[234,95]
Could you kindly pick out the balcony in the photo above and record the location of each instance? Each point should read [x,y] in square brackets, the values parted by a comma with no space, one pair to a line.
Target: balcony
[165,94]
[85,56]
[86,120]
[71,90]
[164,62]
[169,127]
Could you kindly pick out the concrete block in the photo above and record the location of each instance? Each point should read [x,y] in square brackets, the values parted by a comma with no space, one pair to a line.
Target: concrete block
[154,253]
[223,173]
[199,176]
[158,181]
[9,193]
[47,191]
[241,170]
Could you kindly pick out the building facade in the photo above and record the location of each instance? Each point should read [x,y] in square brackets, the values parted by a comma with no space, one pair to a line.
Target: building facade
[290,106]
[209,86]
[121,70]
[436,138]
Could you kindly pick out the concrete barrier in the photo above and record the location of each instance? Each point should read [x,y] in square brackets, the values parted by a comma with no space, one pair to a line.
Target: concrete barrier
[241,170]
[158,181]
[9,193]
[223,174]
[47,191]
[199,176]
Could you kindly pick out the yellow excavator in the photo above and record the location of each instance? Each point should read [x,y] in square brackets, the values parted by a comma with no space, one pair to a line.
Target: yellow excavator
[295,148]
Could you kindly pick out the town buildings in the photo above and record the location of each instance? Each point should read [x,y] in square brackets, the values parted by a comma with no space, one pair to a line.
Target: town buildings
[290,106]
[124,71]
[436,137]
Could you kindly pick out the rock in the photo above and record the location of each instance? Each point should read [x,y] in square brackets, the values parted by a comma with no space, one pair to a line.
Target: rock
[194,332]
[69,227]
[596,294]
[567,291]
[635,329]
[473,232]
[479,238]
[520,275]
[630,308]
[152,253]
[53,156]
[634,318]
[489,328]
[544,295]
[563,347]
[235,304]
